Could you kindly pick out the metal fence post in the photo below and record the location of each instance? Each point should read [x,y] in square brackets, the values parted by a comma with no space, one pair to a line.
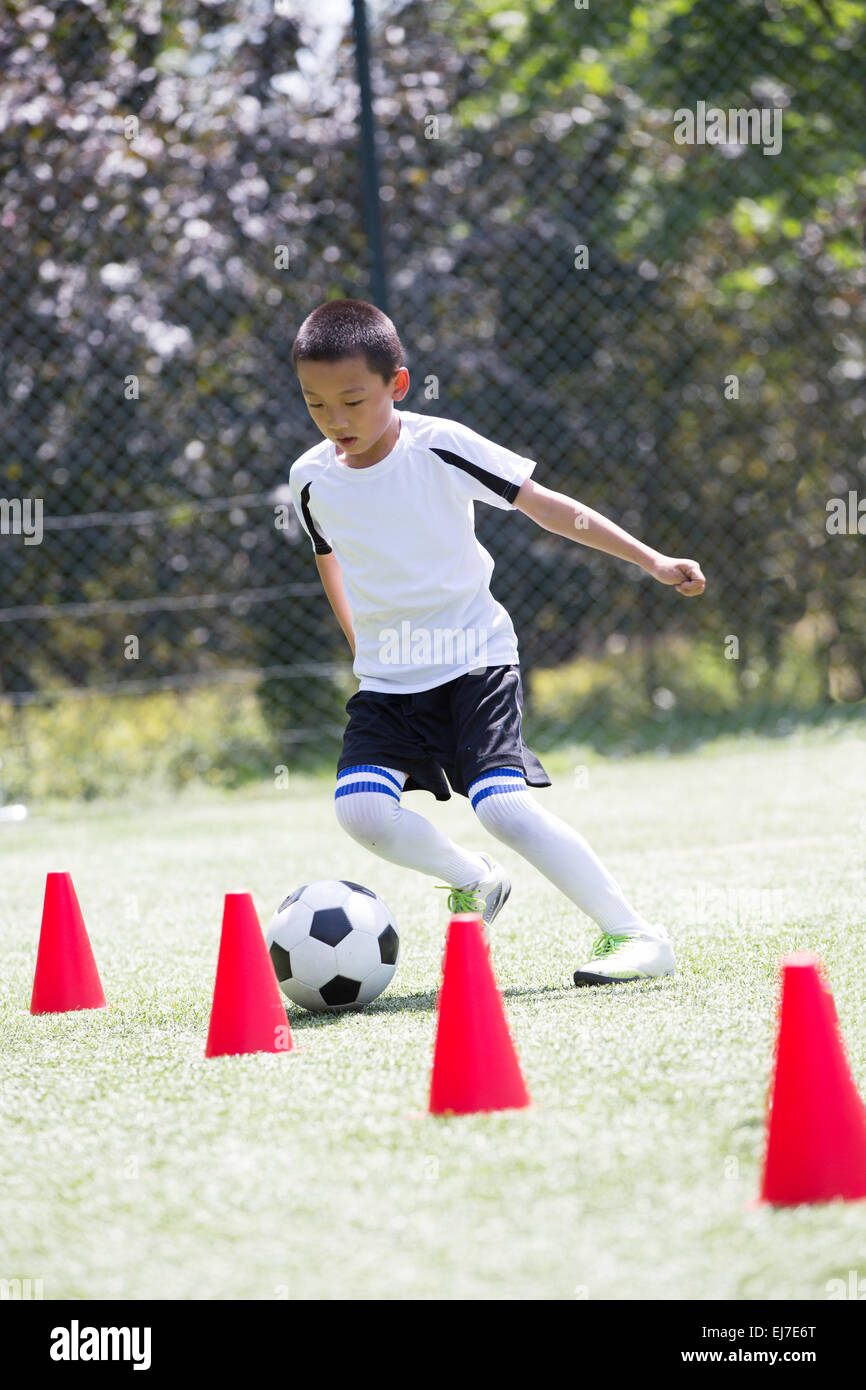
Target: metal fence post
[369,165]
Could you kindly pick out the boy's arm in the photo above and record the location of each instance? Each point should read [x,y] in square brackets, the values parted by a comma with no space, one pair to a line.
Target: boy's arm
[565,517]
[332,582]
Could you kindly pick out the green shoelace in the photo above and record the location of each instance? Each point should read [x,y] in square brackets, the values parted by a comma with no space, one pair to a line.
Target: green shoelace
[606,944]
[462,899]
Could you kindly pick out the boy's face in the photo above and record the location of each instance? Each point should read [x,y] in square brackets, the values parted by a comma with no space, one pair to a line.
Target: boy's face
[350,404]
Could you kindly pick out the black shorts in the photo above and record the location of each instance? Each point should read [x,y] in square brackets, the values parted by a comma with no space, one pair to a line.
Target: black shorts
[457,730]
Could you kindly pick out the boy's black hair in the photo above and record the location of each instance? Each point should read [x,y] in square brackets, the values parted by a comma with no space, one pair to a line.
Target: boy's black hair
[349,328]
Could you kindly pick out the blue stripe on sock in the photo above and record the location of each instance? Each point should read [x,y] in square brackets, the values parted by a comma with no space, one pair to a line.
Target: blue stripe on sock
[490,791]
[369,767]
[496,772]
[365,787]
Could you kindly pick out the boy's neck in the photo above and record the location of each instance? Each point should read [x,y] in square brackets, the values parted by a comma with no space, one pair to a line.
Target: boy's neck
[378,451]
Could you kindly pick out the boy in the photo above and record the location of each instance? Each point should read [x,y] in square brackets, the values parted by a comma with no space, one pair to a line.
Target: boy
[387,502]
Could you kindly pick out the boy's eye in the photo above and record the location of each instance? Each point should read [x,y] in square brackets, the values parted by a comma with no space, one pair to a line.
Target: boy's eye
[354,402]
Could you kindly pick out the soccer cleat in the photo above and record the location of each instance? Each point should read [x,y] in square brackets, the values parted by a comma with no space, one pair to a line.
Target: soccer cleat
[487,896]
[620,959]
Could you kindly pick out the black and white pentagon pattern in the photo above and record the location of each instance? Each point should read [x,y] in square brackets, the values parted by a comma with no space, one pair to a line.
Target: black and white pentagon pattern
[330,924]
[334,945]
[389,945]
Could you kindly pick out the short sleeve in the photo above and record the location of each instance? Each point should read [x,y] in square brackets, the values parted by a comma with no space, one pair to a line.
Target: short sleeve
[489,472]
[300,495]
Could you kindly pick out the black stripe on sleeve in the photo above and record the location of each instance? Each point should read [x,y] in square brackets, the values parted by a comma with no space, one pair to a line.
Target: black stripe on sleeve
[320,545]
[500,486]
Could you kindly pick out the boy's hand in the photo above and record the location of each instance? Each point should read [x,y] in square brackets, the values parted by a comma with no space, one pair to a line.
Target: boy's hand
[686,575]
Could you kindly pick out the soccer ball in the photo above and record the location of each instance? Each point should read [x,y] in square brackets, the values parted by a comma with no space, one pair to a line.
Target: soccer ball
[334,945]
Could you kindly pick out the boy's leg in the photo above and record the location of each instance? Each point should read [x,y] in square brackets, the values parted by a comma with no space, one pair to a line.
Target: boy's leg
[505,807]
[367,804]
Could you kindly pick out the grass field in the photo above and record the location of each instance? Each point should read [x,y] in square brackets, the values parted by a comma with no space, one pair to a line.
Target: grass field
[134,1168]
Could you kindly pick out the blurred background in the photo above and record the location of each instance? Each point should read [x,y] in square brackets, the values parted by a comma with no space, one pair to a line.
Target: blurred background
[183,183]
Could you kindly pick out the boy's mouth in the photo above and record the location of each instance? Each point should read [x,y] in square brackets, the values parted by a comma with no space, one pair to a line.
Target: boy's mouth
[347,441]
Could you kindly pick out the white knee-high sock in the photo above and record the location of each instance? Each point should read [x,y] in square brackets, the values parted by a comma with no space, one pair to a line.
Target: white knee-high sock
[367,803]
[505,807]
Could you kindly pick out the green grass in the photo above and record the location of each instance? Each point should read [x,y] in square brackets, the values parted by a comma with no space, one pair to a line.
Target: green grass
[134,1168]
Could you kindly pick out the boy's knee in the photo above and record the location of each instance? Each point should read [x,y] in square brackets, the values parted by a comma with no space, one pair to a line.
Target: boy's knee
[365,815]
[502,817]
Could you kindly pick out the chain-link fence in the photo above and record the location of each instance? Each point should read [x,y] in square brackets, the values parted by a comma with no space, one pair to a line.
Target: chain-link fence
[623,240]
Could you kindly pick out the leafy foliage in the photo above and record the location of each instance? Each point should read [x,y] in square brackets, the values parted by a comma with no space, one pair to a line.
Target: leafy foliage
[156,162]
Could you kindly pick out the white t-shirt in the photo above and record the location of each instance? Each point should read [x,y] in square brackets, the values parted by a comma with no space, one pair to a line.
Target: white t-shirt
[403,530]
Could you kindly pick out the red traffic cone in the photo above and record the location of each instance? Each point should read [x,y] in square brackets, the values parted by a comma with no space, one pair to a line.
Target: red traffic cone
[66,976]
[248,1014]
[816,1129]
[475,1065]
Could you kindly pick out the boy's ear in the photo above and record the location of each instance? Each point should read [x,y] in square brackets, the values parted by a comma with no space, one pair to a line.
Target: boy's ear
[401,383]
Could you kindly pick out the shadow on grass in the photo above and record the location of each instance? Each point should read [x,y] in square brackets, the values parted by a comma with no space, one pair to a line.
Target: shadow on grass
[425,1002]
[400,1003]
[624,989]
